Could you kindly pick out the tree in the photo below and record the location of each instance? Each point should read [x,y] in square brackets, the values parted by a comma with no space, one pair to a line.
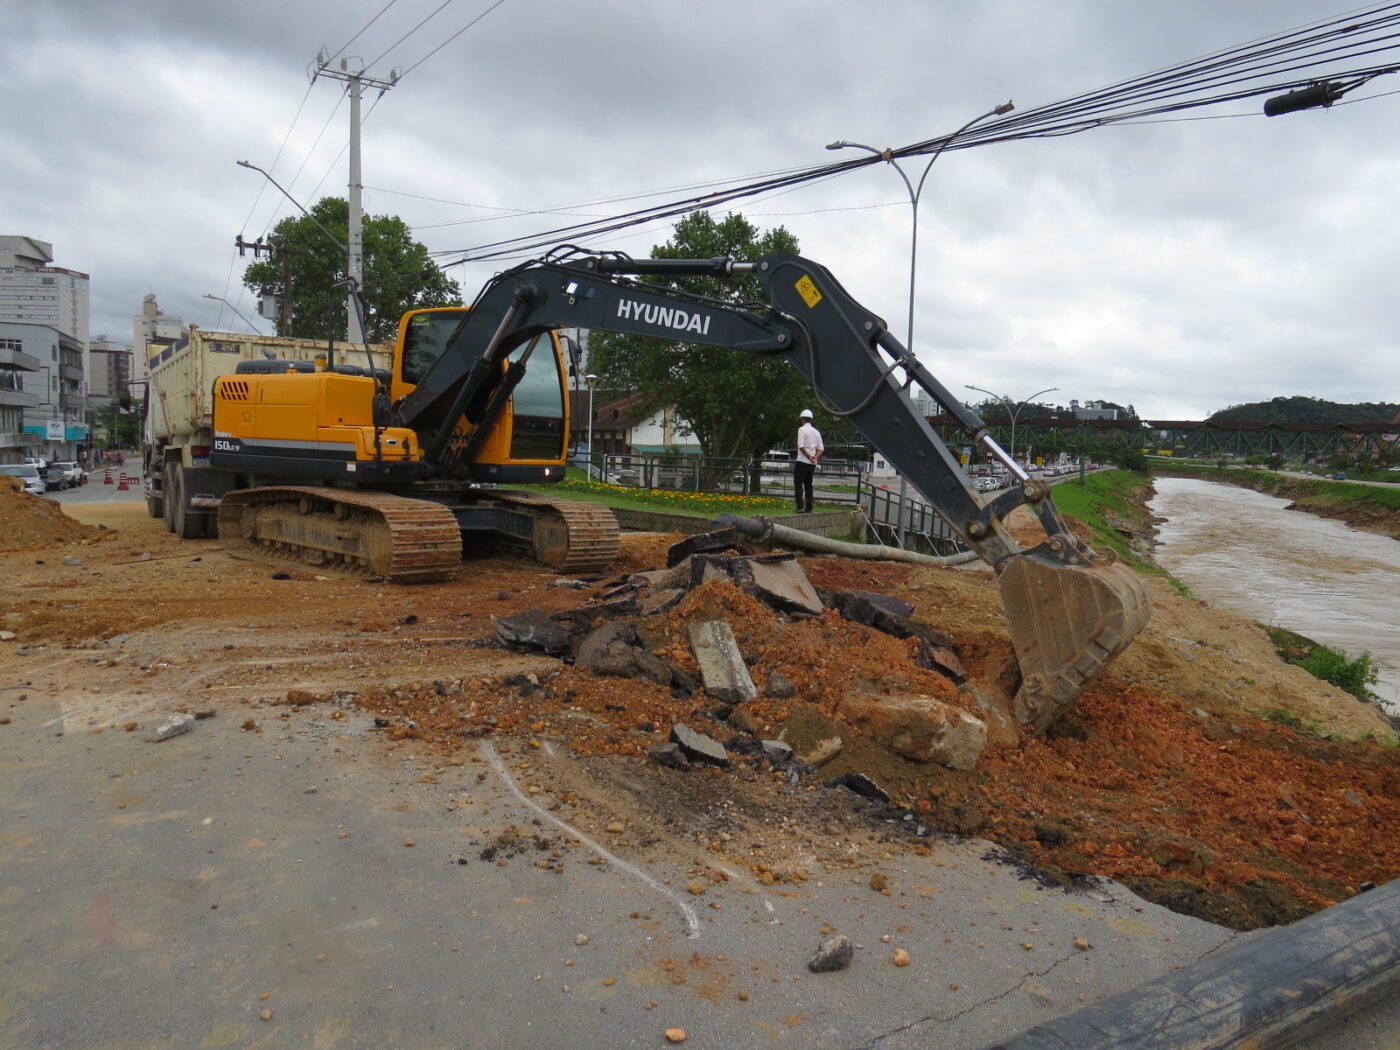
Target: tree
[306,263]
[736,404]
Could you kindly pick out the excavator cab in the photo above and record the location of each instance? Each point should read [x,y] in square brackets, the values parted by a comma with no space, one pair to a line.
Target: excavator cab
[520,437]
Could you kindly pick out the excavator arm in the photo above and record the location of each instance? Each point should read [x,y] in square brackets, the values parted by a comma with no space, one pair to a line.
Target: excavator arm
[1070,610]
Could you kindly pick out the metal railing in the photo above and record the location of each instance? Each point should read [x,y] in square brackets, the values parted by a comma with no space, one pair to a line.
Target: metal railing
[908,522]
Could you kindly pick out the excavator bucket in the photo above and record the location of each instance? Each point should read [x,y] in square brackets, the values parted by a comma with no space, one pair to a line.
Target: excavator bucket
[1067,622]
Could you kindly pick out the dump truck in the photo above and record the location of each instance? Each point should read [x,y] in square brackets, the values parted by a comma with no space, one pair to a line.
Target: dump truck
[181,486]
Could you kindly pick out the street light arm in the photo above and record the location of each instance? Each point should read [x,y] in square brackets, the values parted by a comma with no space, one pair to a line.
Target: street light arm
[221,299]
[995,111]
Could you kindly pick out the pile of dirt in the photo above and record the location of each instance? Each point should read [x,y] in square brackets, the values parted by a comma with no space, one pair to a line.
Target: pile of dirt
[1167,775]
[34,523]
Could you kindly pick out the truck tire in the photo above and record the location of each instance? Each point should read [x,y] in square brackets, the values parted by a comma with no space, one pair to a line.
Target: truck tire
[182,520]
[167,489]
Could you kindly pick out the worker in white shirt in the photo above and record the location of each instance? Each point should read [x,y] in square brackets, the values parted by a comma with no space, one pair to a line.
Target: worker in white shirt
[809,454]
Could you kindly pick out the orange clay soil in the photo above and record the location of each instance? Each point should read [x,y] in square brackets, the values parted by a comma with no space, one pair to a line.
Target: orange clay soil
[1166,776]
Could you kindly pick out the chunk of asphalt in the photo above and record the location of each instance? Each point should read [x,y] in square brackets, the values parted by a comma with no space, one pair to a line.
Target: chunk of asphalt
[699,747]
[533,629]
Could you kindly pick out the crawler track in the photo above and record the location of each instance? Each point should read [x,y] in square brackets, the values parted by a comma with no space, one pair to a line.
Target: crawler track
[403,539]
[344,530]
[569,536]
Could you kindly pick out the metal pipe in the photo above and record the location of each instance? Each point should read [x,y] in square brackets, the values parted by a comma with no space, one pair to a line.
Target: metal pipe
[1264,993]
[763,529]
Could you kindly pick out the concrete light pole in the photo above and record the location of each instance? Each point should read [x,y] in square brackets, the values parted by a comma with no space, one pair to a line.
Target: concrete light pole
[355,263]
[592,381]
[1013,412]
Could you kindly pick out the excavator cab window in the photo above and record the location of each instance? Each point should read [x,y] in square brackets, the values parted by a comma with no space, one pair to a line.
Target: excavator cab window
[538,403]
[425,338]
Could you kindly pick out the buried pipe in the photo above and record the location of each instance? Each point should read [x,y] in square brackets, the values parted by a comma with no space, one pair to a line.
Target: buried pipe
[1265,993]
[764,529]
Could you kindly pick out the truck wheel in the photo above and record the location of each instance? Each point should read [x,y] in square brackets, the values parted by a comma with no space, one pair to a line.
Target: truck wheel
[155,504]
[185,522]
[167,489]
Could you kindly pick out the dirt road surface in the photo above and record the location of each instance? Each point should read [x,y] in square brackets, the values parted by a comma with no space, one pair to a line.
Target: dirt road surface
[322,862]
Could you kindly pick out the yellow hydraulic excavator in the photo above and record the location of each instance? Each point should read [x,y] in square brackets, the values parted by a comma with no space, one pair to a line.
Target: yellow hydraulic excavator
[388,470]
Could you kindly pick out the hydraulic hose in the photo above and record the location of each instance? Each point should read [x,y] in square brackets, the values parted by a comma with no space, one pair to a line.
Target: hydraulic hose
[764,529]
[1268,991]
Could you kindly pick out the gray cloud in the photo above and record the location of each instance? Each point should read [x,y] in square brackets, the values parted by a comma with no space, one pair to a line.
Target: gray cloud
[1178,266]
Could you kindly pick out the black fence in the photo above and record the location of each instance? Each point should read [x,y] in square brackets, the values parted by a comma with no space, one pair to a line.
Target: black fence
[893,517]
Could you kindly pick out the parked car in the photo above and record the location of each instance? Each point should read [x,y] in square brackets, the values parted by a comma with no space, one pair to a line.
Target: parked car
[33,480]
[63,475]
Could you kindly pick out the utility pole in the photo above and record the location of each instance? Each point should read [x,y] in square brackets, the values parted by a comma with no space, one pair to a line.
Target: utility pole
[355,263]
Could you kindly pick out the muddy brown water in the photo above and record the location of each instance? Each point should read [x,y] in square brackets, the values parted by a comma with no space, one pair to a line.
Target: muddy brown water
[1244,551]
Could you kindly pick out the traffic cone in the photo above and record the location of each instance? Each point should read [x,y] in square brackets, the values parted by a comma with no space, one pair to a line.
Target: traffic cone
[107,479]
[122,486]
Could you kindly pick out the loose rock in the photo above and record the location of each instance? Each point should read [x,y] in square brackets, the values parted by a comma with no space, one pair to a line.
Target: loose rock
[834,954]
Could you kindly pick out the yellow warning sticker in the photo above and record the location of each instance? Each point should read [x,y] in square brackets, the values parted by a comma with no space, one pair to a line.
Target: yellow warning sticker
[808,291]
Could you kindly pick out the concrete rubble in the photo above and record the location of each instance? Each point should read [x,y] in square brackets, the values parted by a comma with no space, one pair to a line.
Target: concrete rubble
[607,634]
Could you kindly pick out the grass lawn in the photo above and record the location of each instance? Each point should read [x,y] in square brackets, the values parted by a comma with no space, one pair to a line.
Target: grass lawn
[704,504]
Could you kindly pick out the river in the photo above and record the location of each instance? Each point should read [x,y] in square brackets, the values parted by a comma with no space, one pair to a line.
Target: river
[1241,550]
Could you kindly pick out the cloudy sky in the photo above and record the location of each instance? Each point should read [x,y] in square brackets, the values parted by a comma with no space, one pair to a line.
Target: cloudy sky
[1178,266]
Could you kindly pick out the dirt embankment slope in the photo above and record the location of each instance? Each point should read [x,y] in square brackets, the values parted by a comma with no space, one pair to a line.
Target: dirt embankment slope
[1168,775]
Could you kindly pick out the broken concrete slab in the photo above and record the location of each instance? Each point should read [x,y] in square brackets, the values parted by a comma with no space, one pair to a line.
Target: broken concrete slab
[921,728]
[662,601]
[534,629]
[698,747]
[177,725]
[722,667]
[779,582]
[611,650]
[669,754]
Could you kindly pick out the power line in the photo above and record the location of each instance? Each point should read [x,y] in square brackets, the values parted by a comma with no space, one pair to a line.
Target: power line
[1328,48]
[426,19]
[341,50]
[453,37]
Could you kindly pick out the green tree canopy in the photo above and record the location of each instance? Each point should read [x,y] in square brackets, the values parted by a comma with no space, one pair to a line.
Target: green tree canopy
[734,403]
[305,265]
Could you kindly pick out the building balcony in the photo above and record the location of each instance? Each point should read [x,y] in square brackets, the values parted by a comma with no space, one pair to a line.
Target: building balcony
[73,373]
[14,440]
[72,402]
[18,359]
[17,398]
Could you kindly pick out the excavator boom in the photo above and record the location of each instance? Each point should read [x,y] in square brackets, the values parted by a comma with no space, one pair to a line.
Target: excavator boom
[1070,609]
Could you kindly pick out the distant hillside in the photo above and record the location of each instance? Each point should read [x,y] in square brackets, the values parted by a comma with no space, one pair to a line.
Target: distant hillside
[1306,410]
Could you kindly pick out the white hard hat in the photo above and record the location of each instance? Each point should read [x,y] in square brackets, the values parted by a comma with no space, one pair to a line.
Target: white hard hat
[806,414]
